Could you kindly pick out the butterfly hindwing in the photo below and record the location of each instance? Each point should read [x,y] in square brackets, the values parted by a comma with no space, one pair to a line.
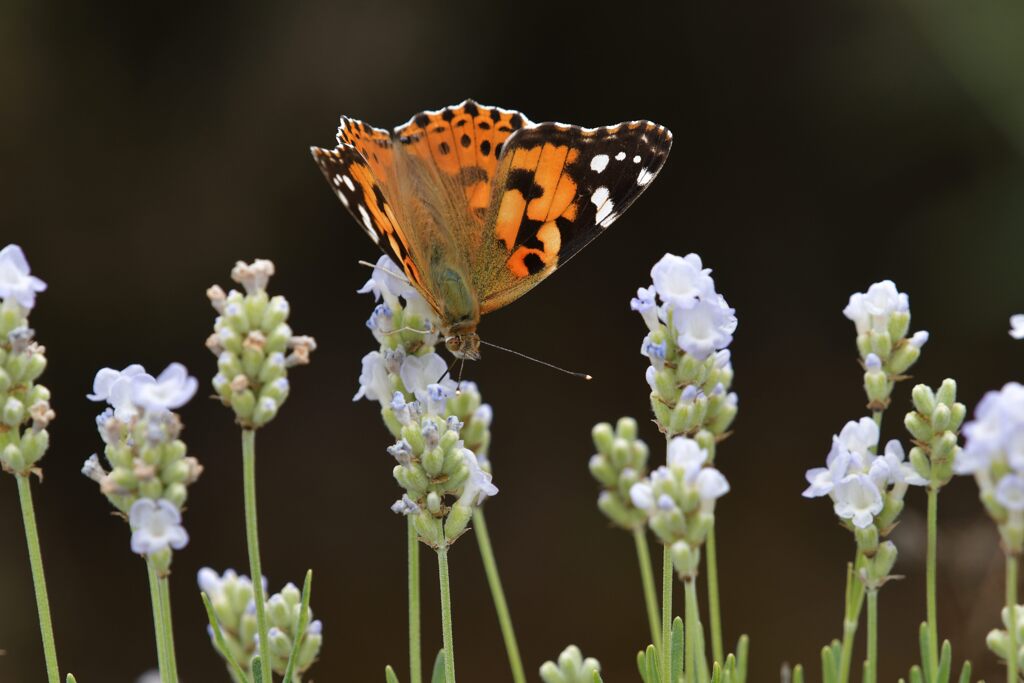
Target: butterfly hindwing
[556,188]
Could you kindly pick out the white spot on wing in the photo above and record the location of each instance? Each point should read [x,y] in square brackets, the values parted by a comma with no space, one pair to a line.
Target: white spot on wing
[608,221]
[337,179]
[343,198]
[600,199]
[620,156]
[644,177]
[366,218]
[348,183]
[636,159]
[599,163]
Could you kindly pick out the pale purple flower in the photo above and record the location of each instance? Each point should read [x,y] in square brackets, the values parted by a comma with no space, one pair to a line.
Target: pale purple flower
[373,380]
[173,388]
[1017,326]
[16,280]
[681,281]
[156,525]
[478,486]
[705,327]
[858,499]
[116,387]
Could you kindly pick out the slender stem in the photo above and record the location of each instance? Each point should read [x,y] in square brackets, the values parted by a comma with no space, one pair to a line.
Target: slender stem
[1011,604]
[930,563]
[666,615]
[35,558]
[692,627]
[877,417]
[168,629]
[415,660]
[252,540]
[851,619]
[446,615]
[872,672]
[643,556]
[158,621]
[717,648]
[483,540]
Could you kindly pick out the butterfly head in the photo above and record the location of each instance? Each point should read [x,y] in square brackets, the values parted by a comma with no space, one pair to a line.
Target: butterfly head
[464,345]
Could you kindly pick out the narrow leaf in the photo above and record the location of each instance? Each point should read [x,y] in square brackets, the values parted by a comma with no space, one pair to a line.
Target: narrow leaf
[71,678]
[798,674]
[389,675]
[965,673]
[219,643]
[945,663]
[742,658]
[677,650]
[597,677]
[300,632]
[438,675]
[915,674]
[828,666]
[923,642]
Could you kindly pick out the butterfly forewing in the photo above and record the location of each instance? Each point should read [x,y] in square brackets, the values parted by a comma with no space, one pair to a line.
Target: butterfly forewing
[557,187]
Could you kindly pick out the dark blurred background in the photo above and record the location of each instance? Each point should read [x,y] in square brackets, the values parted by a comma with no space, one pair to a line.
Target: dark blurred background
[818,147]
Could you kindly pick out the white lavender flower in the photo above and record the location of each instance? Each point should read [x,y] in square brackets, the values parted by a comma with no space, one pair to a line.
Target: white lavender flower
[16,281]
[156,525]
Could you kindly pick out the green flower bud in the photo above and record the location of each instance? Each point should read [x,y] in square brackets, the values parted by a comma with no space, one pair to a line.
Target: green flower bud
[124,479]
[876,386]
[918,427]
[276,313]
[176,493]
[662,412]
[864,344]
[919,461]
[229,365]
[626,428]
[615,509]
[277,339]
[5,381]
[34,368]
[151,488]
[941,418]
[998,642]
[603,471]
[12,458]
[457,521]
[434,503]
[867,539]
[243,403]
[433,461]
[899,325]
[881,344]
[686,559]
[957,413]
[620,453]
[901,360]
[280,644]
[878,567]
[13,412]
[924,399]
[265,411]
[161,561]
[947,392]
[252,360]
[429,529]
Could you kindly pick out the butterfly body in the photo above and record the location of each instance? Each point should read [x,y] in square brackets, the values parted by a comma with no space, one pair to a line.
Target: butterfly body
[477,204]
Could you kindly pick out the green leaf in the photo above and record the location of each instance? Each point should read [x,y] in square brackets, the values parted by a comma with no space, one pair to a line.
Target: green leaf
[677,650]
[257,668]
[923,642]
[828,666]
[389,675]
[945,663]
[915,674]
[742,658]
[965,673]
[71,679]
[597,677]
[438,675]
[219,643]
[798,674]
[300,632]
[716,673]
[653,664]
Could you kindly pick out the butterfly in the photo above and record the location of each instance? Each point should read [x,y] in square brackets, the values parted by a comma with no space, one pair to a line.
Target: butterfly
[477,204]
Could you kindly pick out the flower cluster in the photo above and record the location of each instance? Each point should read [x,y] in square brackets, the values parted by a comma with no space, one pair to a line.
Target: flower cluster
[934,425]
[867,490]
[882,318]
[25,409]
[998,640]
[571,668]
[620,462]
[468,407]
[994,453]
[149,470]
[690,328]
[404,326]
[254,345]
[679,499]
[232,599]
[434,463]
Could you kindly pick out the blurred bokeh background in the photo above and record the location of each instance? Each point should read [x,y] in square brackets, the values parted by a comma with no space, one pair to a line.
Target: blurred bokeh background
[818,147]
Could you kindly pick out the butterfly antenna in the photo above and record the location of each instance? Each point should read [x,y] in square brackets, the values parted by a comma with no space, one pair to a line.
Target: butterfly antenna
[462,366]
[581,375]
[400,276]
[449,370]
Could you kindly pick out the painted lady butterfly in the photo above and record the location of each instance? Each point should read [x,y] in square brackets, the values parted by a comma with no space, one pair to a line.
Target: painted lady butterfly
[478,205]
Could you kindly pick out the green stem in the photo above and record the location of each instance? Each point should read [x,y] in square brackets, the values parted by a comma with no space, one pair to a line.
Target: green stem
[446,615]
[35,558]
[643,556]
[666,615]
[930,564]
[1011,605]
[851,619]
[877,417]
[158,621]
[252,540]
[168,629]
[692,626]
[872,672]
[717,648]
[483,540]
[415,660]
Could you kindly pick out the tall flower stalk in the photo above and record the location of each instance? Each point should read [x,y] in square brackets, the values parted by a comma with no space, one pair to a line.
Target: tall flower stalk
[690,326]
[255,347]
[148,477]
[442,432]
[25,414]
